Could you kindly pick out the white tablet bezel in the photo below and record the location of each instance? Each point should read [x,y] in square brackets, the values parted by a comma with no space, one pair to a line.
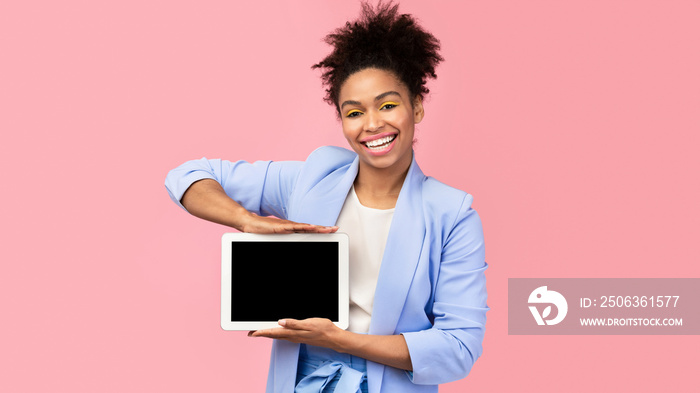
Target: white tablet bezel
[343,275]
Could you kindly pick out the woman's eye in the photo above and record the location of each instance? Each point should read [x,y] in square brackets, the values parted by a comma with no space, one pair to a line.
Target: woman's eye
[353,113]
[389,105]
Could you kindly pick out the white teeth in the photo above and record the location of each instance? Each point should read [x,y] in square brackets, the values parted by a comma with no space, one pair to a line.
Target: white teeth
[380,141]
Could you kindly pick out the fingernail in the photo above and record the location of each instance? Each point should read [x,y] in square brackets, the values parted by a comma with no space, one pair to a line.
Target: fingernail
[282,322]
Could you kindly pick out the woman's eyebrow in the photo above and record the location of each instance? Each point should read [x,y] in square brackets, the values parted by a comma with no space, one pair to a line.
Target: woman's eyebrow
[349,102]
[388,93]
[377,98]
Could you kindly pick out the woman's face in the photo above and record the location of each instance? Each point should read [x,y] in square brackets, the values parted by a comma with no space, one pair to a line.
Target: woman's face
[379,119]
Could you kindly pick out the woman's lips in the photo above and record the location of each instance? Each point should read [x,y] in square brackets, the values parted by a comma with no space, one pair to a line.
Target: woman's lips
[380,144]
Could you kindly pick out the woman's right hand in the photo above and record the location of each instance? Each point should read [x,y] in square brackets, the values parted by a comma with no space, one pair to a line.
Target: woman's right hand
[207,200]
[254,223]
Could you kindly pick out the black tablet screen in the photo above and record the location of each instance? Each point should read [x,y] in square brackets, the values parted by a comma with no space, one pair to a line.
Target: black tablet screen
[274,280]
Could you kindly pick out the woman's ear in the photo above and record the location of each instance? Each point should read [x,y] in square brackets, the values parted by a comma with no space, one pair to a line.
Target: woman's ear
[418,111]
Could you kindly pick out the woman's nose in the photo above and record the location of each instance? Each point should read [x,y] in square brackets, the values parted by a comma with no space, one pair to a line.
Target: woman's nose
[374,121]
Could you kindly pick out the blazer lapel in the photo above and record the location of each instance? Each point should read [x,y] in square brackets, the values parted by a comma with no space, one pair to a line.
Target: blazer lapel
[322,203]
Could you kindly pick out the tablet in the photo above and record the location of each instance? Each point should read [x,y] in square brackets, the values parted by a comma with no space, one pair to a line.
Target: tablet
[265,278]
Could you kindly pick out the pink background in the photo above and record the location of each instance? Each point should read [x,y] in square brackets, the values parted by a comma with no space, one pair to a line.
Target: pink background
[575,124]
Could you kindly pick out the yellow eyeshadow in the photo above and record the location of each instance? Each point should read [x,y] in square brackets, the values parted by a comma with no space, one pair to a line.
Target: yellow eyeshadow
[390,103]
[353,111]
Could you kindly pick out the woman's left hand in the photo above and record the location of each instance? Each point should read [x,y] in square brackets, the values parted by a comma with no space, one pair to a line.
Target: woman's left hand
[320,332]
[391,350]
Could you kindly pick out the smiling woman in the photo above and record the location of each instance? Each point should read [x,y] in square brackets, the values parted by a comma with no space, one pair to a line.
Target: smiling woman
[417,284]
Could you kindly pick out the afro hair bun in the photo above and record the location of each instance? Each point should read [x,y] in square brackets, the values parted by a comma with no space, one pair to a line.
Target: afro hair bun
[384,39]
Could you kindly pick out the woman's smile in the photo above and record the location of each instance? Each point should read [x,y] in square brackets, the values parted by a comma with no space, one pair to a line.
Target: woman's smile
[380,144]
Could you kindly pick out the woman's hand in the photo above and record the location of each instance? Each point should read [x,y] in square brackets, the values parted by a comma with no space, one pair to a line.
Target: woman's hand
[257,224]
[207,199]
[390,350]
[320,332]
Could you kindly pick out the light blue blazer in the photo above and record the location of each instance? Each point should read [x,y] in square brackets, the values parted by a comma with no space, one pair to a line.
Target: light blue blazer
[431,286]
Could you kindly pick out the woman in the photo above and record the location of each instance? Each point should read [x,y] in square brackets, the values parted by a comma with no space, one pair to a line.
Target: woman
[418,294]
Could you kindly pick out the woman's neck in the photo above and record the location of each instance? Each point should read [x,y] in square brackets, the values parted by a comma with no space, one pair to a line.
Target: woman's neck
[379,188]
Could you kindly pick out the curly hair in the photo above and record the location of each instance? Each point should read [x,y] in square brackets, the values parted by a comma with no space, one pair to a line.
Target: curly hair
[382,39]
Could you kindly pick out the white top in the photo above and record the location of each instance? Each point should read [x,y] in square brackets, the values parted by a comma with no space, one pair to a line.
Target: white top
[368,230]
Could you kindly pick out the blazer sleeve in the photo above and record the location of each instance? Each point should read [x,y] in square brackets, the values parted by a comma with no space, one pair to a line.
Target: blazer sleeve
[447,351]
[262,187]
